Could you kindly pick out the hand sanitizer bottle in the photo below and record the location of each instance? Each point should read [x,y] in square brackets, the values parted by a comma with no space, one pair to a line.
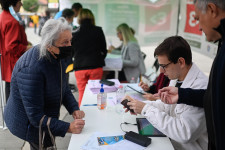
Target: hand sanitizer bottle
[101,99]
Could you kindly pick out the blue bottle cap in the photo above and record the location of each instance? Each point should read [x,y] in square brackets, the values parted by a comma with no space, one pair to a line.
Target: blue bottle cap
[102,90]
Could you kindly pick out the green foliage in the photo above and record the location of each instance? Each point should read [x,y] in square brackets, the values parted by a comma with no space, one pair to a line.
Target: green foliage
[30,5]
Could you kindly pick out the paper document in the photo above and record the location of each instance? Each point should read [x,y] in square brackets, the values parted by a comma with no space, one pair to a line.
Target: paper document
[113,62]
[92,143]
[95,85]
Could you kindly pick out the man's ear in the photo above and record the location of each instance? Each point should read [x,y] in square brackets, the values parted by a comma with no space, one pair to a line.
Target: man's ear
[212,9]
[181,62]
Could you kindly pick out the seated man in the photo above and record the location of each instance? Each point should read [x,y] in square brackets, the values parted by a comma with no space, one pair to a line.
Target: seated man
[185,125]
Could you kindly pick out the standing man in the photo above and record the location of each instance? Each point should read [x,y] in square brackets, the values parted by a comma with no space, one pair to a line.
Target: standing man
[211,16]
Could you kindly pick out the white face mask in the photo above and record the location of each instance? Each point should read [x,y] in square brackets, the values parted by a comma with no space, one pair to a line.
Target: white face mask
[13,13]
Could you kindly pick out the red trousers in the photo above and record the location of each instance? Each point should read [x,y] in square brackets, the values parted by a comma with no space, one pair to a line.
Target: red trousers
[82,77]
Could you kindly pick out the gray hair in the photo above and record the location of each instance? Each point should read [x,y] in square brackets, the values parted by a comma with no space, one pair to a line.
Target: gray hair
[50,33]
[202,4]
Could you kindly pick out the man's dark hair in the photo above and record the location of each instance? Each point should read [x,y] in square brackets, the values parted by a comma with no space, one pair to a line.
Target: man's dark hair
[77,6]
[67,13]
[6,3]
[175,47]
[47,13]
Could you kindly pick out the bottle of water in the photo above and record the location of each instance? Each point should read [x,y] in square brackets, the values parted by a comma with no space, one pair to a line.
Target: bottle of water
[101,99]
[119,94]
[132,80]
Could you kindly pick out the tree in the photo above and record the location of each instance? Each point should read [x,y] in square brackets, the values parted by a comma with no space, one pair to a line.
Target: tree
[30,5]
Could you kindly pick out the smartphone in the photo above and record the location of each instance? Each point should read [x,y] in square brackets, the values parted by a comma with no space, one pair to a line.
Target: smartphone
[107,82]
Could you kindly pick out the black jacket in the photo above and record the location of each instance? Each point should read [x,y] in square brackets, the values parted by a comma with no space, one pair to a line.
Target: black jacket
[89,47]
[212,99]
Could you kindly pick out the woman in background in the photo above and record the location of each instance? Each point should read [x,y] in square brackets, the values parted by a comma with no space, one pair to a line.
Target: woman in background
[133,62]
[89,47]
[13,39]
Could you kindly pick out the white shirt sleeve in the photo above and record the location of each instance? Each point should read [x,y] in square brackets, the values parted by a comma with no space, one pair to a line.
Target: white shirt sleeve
[186,126]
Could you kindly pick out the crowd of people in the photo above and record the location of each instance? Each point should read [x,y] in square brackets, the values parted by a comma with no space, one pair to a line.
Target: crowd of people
[183,103]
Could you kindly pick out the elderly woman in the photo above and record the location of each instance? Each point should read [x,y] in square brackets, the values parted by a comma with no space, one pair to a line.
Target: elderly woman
[39,88]
[133,62]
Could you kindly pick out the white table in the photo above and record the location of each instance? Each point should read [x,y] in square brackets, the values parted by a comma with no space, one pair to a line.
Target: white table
[108,121]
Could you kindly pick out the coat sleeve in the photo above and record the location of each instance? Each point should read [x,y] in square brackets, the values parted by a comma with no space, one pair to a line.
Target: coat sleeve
[13,41]
[31,88]
[185,128]
[69,101]
[192,97]
[132,56]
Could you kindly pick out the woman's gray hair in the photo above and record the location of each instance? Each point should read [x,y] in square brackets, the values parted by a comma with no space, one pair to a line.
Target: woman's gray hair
[50,33]
[202,4]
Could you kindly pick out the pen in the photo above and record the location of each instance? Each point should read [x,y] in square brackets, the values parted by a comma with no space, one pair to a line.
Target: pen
[90,105]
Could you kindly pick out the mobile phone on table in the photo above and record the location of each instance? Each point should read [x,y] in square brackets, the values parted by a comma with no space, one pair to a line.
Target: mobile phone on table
[107,82]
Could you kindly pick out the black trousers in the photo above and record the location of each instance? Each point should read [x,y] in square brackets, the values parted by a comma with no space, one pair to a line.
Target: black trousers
[7,90]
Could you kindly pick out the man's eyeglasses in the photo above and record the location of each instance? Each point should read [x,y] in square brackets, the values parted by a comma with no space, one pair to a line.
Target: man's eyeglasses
[164,66]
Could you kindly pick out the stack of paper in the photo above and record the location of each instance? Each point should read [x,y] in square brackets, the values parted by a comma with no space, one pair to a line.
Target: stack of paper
[95,85]
[113,62]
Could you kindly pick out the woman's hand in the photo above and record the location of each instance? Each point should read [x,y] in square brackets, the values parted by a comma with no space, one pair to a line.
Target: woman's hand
[111,47]
[78,114]
[76,126]
[144,86]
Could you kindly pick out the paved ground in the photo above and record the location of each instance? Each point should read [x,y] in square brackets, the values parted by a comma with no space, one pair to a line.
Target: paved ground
[10,142]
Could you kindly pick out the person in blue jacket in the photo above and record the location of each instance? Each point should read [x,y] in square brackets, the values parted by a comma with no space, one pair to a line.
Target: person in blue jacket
[39,87]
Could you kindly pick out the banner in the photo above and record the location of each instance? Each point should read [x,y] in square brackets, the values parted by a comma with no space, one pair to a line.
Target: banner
[152,20]
[189,29]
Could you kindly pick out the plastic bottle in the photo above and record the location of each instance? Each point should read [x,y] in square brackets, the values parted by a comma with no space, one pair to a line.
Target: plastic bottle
[101,99]
[132,80]
[119,94]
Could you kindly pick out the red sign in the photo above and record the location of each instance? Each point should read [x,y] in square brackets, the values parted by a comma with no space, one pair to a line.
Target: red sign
[192,25]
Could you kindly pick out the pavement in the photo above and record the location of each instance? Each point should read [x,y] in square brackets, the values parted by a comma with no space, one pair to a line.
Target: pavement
[11,142]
